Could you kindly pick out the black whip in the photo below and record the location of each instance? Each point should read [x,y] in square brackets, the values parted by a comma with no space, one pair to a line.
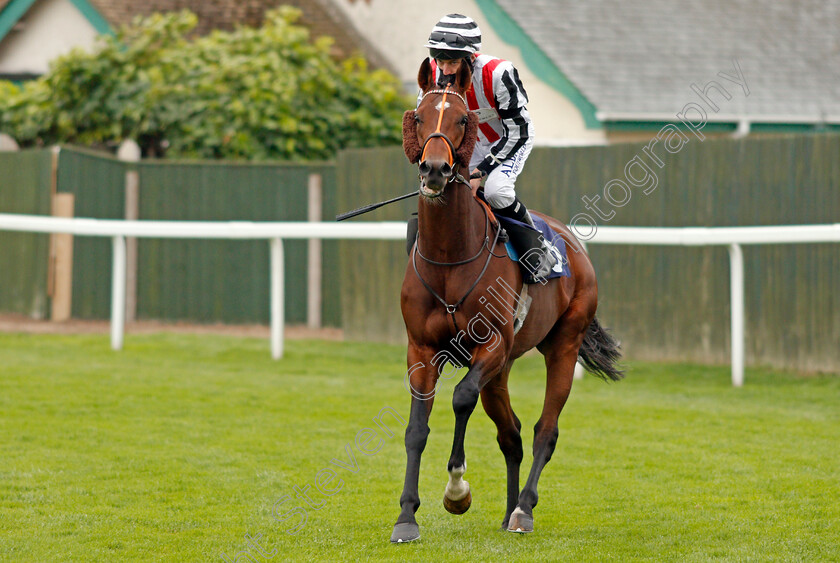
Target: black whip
[373,206]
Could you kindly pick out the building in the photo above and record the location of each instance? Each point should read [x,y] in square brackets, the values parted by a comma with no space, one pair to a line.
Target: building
[608,71]
[596,72]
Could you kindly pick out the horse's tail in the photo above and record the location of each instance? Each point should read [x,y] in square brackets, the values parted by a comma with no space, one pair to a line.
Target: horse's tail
[600,352]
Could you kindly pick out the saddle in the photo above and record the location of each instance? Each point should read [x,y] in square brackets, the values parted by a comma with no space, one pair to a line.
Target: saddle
[520,241]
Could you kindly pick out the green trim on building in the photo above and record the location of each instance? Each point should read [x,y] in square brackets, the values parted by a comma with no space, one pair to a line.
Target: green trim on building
[654,126]
[537,60]
[11,14]
[16,9]
[792,127]
[92,15]
[720,127]
[18,79]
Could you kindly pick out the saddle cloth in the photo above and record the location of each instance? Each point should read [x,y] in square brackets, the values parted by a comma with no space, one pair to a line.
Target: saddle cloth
[550,239]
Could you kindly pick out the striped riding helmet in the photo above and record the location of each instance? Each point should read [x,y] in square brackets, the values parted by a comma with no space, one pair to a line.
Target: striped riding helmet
[454,36]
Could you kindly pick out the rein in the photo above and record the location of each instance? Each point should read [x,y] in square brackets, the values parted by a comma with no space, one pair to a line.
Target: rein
[451,308]
[460,262]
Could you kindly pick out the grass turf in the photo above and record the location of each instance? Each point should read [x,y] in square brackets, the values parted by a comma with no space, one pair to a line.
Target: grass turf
[177,447]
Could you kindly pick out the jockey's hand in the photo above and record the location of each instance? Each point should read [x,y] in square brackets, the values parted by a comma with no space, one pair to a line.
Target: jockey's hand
[475,183]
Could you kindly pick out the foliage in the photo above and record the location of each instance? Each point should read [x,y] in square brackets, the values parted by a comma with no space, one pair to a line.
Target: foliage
[267,93]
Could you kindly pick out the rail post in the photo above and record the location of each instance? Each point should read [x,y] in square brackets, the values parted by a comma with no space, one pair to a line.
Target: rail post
[313,274]
[118,293]
[736,289]
[277,296]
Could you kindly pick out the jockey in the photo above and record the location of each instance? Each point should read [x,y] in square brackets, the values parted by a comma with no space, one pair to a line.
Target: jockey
[506,134]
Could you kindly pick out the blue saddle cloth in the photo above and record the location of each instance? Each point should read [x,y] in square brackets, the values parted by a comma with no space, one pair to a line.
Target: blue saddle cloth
[551,240]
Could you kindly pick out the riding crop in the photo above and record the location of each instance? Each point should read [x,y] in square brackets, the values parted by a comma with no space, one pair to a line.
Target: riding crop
[373,206]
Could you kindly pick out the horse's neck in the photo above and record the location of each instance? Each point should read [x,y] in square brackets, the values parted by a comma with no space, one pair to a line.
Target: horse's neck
[451,231]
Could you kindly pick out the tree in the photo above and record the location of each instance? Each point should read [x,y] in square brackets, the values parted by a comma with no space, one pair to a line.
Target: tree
[267,93]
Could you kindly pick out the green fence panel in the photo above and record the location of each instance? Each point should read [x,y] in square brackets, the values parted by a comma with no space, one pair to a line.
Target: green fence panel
[331,308]
[674,302]
[372,271]
[25,183]
[198,280]
[97,182]
[662,302]
[213,281]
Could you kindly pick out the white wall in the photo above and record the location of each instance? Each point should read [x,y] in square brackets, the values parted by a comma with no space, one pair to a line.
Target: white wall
[399,29]
[50,28]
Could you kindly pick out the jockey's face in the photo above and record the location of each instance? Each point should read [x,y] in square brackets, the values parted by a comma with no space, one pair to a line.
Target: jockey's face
[448,66]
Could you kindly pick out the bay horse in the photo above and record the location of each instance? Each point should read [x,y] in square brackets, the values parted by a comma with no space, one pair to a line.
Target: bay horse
[457,261]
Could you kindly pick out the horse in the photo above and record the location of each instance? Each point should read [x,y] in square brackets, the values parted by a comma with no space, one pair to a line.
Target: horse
[457,264]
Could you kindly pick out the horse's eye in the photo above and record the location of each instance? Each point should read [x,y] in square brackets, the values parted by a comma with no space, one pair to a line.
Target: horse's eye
[463,122]
[417,119]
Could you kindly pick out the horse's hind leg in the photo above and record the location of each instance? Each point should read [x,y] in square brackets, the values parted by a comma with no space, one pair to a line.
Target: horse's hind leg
[496,401]
[560,350]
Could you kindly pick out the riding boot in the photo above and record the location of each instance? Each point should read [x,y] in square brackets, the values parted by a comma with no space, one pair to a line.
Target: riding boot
[535,258]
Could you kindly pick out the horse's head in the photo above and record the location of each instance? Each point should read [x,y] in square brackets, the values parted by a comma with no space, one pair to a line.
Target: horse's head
[440,134]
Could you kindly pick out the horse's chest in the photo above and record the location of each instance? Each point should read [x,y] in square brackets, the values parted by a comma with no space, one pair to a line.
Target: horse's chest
[438,326]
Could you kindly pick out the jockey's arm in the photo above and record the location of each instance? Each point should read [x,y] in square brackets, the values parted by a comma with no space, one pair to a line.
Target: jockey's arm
[511,99]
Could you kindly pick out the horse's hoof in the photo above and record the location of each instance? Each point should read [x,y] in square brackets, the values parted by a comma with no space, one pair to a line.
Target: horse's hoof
[457,506]
[405,532]
[520,522]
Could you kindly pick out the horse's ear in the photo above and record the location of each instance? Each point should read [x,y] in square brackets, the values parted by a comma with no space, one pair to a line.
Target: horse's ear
[465,150]
[425,78]
[411,145]
[463,77]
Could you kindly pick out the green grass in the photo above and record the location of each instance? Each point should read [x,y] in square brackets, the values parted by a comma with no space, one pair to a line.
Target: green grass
[178,446]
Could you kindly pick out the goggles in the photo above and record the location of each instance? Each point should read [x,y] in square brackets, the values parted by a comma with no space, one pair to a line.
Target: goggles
[452,40]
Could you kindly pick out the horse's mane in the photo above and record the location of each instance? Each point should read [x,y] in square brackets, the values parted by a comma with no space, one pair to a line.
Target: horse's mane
[412,147]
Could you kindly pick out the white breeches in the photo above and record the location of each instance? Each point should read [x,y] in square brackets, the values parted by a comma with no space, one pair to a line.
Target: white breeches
[499,186]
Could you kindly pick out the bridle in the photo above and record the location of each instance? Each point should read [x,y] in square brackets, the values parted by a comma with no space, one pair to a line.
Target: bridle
[438,134]
[459,178]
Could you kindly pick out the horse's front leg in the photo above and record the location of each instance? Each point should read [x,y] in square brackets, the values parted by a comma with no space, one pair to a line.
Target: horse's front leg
[420,380]
[457,497]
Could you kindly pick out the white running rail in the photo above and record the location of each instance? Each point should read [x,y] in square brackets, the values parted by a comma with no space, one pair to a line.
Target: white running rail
[275,232]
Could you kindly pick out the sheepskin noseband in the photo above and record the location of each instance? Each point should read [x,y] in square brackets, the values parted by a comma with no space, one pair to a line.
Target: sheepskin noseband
[411,145]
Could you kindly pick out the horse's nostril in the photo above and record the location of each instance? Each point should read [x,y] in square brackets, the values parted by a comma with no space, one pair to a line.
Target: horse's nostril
[446,170]
[425,168]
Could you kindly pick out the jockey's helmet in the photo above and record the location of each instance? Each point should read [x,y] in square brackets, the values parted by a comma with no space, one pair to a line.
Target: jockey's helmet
[454,37]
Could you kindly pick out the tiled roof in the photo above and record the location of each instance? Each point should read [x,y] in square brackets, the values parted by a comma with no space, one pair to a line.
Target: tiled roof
[641,57]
